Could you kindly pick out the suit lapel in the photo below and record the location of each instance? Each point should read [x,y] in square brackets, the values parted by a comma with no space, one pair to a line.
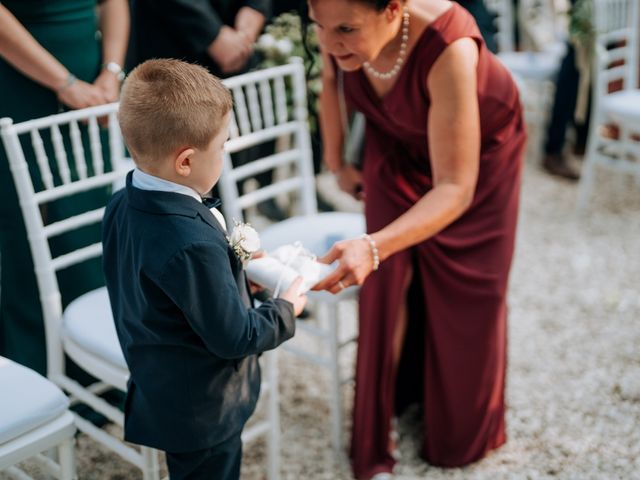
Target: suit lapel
[171,203]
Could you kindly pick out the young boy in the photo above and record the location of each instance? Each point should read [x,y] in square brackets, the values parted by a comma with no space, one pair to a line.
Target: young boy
[177,290]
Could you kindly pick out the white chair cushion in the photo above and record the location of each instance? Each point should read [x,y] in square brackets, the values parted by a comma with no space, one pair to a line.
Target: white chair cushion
[317,233]
[89,323]
[532,65]
[28,400]
[622,106]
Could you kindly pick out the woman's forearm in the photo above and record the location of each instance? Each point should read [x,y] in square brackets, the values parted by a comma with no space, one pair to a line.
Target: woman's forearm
[432,213]
[25,54]
[114,24]
[331,123]
[453,130]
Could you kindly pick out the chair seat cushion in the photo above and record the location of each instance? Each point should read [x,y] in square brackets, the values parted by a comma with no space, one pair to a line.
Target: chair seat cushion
[317,233]
[28,400]
[623,106]
[532,65]
[89,323]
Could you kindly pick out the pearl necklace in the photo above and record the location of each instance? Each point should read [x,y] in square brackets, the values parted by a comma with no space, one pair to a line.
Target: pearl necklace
[401,56]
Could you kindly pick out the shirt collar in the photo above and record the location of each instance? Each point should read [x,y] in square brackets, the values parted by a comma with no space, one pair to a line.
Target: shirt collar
[144,181]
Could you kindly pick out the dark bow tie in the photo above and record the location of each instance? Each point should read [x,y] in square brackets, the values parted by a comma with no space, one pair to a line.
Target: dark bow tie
[211,202]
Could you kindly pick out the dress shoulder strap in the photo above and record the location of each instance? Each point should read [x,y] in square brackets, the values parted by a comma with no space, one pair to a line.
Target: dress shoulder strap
[452,25]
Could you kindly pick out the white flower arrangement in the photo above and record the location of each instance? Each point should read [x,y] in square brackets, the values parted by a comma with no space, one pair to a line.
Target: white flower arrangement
[280,48]
[244,240]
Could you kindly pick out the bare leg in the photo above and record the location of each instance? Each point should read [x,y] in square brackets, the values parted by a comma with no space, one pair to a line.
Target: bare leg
[399,335]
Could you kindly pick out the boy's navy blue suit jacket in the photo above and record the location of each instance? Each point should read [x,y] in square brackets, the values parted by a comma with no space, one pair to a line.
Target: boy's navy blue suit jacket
[184,320]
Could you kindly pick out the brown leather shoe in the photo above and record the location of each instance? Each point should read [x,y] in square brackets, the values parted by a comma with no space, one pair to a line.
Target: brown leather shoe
[579,149]
[557,165]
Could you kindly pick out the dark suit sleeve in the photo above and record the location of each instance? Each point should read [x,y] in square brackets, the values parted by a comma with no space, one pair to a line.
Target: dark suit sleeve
[199,280]
[262,6]
[195,21]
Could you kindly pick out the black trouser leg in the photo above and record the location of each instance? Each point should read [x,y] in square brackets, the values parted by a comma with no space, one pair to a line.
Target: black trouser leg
[564,103]
[221,462]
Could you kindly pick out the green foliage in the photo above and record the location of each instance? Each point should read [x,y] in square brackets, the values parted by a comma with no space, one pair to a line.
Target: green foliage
[581,28]
[283,40]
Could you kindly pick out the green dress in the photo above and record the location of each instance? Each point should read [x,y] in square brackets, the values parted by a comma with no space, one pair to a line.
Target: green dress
[68,30]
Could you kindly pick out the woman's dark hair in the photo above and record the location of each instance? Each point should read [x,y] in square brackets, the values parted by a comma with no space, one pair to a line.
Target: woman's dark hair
[303,11]
[378,4]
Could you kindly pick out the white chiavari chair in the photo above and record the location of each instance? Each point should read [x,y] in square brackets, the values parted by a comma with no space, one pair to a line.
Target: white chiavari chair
[616,62]
[270,105]
[34,420]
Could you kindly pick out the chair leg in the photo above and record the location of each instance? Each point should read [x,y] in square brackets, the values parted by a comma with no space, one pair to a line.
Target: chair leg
[53,455]
[66,457]
[587,176]
[336,379]
[151,464]
[273,440]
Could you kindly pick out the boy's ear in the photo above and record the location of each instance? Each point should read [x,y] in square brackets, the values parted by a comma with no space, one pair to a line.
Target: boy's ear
[182,162]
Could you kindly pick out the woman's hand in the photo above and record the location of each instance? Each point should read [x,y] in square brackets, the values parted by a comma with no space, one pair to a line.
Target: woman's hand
[109,84]
[356,263]
[81,94]
[349,180]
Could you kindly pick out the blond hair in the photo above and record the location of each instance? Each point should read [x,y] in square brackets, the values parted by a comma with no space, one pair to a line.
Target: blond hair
[167,104]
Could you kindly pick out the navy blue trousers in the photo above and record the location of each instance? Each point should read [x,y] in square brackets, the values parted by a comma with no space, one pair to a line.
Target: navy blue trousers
[221,462]
[564,105]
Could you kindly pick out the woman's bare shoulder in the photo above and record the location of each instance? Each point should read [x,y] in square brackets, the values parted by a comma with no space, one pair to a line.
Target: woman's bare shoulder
[426,11]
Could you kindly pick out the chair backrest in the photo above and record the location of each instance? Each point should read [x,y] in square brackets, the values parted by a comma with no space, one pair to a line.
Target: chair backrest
[504,23]
[616,46]
[539,22]
[73,154]
[270,105]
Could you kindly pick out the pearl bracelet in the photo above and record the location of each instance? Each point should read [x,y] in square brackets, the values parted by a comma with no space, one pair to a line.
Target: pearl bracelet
[374,250]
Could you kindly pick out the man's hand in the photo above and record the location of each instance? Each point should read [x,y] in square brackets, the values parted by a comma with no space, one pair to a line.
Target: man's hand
[230,50]
[249,21]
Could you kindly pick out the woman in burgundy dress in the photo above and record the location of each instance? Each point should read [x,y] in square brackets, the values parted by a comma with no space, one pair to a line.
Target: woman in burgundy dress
[441,180]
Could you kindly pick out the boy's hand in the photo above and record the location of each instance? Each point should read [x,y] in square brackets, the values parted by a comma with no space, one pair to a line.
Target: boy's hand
[254,287]
[258,254]
[291,295]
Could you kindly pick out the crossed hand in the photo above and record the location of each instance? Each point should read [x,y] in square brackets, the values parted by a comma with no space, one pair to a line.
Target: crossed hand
[231,49]
[81,94]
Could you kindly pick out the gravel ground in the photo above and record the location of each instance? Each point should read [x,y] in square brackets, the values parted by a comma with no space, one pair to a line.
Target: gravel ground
[574,357]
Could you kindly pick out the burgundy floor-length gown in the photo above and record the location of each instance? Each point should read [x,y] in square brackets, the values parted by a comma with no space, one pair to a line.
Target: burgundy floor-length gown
[454,356]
